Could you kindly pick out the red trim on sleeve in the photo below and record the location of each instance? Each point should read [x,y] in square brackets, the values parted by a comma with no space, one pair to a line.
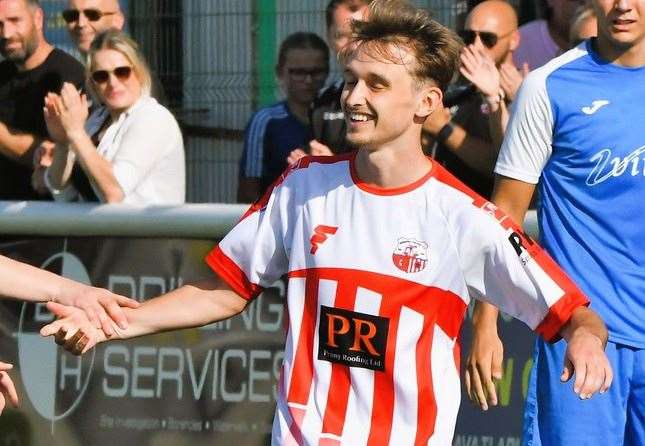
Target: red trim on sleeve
[228,270]
[558,315]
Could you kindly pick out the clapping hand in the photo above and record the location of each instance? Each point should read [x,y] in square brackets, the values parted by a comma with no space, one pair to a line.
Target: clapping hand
[66,114]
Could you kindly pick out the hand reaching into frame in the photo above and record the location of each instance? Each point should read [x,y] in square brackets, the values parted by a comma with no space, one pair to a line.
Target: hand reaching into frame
[72,329]
[7,388]
[103,309]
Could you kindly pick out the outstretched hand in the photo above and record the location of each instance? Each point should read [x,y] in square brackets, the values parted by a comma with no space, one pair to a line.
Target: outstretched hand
[7,388]
[72,329]
[102,308]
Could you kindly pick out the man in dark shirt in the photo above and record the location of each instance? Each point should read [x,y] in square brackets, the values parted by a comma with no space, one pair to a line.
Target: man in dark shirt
[466,143]
[31,69]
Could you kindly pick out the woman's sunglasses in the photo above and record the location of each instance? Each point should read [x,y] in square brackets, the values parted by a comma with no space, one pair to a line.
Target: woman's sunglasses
[489,39]
[121,73]
[93,15]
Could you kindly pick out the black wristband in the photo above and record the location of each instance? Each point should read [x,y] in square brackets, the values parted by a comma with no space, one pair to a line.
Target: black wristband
[445,132]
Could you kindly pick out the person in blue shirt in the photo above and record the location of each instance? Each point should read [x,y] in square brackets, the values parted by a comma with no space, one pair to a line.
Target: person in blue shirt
[577,133]
[274,131]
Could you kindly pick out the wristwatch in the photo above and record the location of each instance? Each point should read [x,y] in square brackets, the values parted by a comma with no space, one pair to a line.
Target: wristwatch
[445,132]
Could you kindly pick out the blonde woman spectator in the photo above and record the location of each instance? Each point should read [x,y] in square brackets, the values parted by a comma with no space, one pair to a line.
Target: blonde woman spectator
[140,156]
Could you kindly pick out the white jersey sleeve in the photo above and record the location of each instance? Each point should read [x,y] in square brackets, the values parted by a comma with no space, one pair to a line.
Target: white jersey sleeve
[253,255]
[504,267]
[527,143]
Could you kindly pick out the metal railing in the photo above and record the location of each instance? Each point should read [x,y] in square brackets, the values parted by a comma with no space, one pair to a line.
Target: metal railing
[82,219]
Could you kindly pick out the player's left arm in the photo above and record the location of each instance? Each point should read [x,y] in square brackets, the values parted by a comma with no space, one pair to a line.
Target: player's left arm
[586,337]
[503,266]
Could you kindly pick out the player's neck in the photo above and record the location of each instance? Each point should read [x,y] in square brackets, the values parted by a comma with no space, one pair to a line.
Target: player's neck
[392,167]
[37,58]
[632,56]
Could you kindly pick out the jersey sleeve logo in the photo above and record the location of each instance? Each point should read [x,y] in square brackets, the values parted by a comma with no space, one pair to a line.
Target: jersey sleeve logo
[353,339]
[410,255]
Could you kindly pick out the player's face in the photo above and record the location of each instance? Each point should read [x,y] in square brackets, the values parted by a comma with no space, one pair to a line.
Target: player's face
[121,88]
[303,74]
[621,22]
[92,18]
[19,25]
[381,100]
[340,29]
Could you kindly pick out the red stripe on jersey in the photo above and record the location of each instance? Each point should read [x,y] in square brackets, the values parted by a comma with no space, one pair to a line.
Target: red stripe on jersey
[228,270]
[558,315]
[295,428]
[383,399]
[339,384]
[303,360]
[303,369]
[426,405]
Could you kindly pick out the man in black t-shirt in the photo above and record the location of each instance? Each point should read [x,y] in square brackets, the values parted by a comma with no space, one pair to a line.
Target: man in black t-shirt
[32,68]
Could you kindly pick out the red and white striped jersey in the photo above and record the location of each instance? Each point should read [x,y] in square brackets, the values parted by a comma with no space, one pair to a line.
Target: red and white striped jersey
[379,282]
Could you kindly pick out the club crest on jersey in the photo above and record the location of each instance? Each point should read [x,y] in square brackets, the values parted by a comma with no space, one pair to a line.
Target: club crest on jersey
[410,255]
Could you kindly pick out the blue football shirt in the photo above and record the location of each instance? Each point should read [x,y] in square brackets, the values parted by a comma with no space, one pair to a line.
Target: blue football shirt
[578,131]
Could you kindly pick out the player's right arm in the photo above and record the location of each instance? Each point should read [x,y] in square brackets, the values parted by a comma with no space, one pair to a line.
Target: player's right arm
[193,305]
[484,362]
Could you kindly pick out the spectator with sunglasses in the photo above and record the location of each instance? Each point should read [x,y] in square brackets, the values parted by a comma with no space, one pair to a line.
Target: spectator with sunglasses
[87,18]
[275,131]
[138,155]
[468,135]
[31,68]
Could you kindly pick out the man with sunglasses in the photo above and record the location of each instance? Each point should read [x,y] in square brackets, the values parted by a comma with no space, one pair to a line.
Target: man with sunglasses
[577,135]
[31,69]
[87,18]
[466,139]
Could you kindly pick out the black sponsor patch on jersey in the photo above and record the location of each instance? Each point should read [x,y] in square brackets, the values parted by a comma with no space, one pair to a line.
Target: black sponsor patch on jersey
[353,339]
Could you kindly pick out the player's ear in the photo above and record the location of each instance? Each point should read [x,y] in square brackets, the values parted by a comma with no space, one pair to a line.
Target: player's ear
[431,99]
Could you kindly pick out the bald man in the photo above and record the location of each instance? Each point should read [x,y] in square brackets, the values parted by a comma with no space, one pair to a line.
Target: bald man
[465,139]
[87,18]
